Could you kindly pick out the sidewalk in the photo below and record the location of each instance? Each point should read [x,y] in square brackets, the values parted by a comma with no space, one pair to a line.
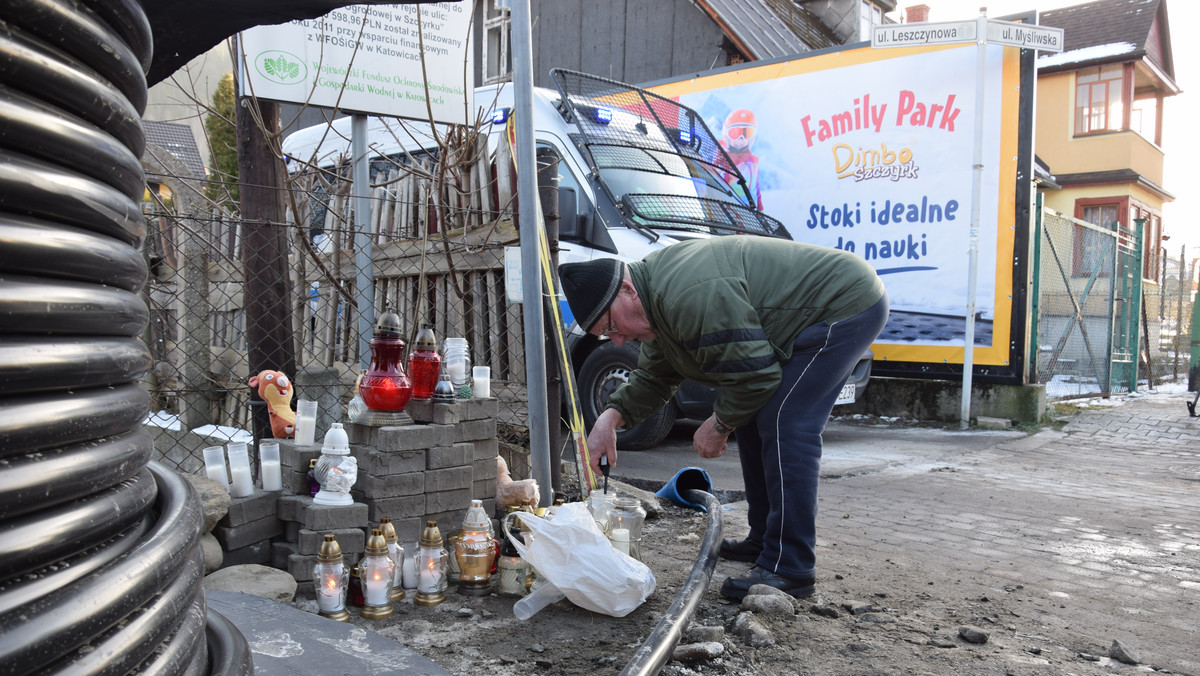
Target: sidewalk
[1075,537]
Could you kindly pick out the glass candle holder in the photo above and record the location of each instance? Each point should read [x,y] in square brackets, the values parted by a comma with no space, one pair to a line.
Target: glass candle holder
[396,552]
[336,469]
[385,386]
[511,567]
[625,519]
[239,469]
[306,422]
[430,567]
[598,504]
[481,382]
[424,364]
[269,472]
[332,580]
[377,570]
[456,358]
[474,549]
[214,465]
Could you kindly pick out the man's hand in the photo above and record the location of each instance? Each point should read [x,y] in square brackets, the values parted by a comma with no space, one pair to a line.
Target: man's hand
[603,439]
[709,443]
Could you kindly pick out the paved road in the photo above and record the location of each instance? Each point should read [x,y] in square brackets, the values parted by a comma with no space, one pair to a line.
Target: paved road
[1092,530]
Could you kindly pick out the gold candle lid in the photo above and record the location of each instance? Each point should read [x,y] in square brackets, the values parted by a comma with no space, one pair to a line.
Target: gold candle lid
[431,536]
[388,529]
[331,551]
[376,545]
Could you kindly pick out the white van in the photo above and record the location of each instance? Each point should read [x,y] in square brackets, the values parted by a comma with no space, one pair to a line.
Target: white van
[637,172]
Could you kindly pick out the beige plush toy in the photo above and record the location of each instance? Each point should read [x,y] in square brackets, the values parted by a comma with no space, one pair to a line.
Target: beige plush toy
[276,389]
[511,493]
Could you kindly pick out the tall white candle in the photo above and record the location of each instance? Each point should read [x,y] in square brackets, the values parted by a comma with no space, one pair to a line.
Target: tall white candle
[329,596]
[214,465]
[269,470]
[427,583]
[243,483]
[306,422]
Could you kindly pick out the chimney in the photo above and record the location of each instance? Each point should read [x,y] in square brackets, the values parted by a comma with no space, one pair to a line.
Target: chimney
[916,14]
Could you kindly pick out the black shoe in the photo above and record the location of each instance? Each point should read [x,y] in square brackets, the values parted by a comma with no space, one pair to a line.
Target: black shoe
[740,550]
[736,587]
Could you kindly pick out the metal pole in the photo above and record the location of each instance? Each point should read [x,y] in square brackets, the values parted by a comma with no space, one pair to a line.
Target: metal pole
[531,271]
[360,190]
[964,414]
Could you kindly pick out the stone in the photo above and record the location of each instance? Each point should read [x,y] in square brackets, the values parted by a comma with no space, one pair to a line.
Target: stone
[702,634]
[253,579]
[765,590]
[876,618]
[993,423]
[213,496]
[1123,653]
[698,652]
[858,607]
[824,610]
[213,554]
[258,552]
[972,634]
[650,502]
[768,604]
[752,631]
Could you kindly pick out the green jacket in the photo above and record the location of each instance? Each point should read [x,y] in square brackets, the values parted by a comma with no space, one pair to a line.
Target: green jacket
[727,310]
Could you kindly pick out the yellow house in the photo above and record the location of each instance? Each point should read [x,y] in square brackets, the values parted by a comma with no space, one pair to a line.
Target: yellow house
[1099,116]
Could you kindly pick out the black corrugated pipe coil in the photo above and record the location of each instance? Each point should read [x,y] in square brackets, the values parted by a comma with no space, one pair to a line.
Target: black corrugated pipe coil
[100,561]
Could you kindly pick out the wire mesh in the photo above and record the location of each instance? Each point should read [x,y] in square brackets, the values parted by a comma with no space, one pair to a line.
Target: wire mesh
[1081,305]
[438,227]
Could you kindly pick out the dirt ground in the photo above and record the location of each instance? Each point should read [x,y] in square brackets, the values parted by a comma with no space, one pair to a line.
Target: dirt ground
[871,618]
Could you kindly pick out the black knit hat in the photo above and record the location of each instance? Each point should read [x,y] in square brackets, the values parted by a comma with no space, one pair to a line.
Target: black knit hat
[591,287]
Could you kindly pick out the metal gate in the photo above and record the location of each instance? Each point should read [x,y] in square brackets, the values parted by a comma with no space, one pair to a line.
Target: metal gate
[1087,305]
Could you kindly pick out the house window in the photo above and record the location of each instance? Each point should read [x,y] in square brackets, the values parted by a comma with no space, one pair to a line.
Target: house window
[497,38]
[1099,99]
[1143,118]
[1094,250]
[868,16]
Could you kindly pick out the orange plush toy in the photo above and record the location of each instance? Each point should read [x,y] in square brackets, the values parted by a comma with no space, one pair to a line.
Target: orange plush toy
[275,389]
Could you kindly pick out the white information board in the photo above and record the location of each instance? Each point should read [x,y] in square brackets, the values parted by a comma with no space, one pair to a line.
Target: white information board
[366,58]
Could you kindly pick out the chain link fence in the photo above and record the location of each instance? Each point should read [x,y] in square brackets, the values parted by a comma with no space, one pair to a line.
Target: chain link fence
[1080,305]
[438,225]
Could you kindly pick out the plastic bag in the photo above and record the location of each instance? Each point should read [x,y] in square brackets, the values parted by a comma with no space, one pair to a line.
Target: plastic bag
[574,556]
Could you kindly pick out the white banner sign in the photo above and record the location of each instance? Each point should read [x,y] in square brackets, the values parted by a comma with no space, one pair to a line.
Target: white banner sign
[366,58]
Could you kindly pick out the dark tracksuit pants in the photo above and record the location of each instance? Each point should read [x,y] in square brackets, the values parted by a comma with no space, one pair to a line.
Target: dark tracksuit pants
[781,451]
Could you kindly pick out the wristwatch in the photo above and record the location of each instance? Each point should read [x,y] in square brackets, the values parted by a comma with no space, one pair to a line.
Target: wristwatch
[721,427]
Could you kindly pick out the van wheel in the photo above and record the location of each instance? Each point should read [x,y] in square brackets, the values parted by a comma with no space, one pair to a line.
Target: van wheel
[605,369]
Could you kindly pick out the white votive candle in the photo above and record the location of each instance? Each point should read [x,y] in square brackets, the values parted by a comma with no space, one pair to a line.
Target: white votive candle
[329,596]
[620,539]
[378,591]
[410,571]
[306,422]
[427,583]
[239,470]
[481,381]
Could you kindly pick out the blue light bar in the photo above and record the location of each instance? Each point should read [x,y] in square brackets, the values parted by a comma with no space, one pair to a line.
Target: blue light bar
[603,115]
[500,115]
[685,136]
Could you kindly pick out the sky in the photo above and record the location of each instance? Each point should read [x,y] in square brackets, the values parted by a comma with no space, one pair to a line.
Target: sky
[1181,143]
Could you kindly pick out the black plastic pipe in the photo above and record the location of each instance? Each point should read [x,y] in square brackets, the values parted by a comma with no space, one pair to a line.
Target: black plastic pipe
[655,651]
[228,651]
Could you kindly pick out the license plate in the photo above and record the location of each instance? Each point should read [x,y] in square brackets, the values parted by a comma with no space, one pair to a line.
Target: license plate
[846,396]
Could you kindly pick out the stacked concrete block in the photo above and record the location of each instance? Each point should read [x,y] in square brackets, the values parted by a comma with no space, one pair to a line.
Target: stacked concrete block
[347,523]
[245,532]
[294,460]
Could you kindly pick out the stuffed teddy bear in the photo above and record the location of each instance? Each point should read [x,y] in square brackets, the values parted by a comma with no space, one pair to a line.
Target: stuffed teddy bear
[276,389]
[510,493]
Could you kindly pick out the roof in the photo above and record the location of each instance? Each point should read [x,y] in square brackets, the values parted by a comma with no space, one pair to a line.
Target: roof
[1110,31]
[179,141]
[755,29]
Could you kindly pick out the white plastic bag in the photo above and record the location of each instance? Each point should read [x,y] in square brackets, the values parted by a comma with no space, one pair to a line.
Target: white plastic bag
[572,553]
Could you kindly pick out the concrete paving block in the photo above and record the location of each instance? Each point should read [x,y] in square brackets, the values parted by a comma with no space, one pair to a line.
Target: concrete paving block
[484,490]
[478,409]
[280,551]
[296,457]
[445,501]
[486,448]
[451,478]
[406,507]
[330,517]
[382,463]
[351,540]
[291,507]
[474,430]
[391,486]
[259,552]
[291,531]
[440,457]
[413,437]
[301,566]
[236,537]
[251,508]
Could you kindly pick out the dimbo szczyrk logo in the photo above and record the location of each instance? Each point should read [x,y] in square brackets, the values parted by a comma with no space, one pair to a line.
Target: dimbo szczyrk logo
[281,67]
[865,164]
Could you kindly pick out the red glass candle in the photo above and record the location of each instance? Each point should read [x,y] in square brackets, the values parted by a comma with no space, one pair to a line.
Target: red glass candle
[424,364]
[385,386]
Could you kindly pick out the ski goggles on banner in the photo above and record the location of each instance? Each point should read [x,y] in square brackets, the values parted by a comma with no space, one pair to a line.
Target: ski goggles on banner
[738,133]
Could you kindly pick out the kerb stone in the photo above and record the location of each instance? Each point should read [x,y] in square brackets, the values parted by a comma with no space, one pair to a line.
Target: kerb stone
[291,507]
[474,430]
[411,506]
[252,508]
[392,485]
[381,463]
[235,537]
[440,457]
[452,478]
[414,437]
[446,501]
[351,540]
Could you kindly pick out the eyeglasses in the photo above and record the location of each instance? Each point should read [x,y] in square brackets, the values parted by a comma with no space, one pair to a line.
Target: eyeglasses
[608,333]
